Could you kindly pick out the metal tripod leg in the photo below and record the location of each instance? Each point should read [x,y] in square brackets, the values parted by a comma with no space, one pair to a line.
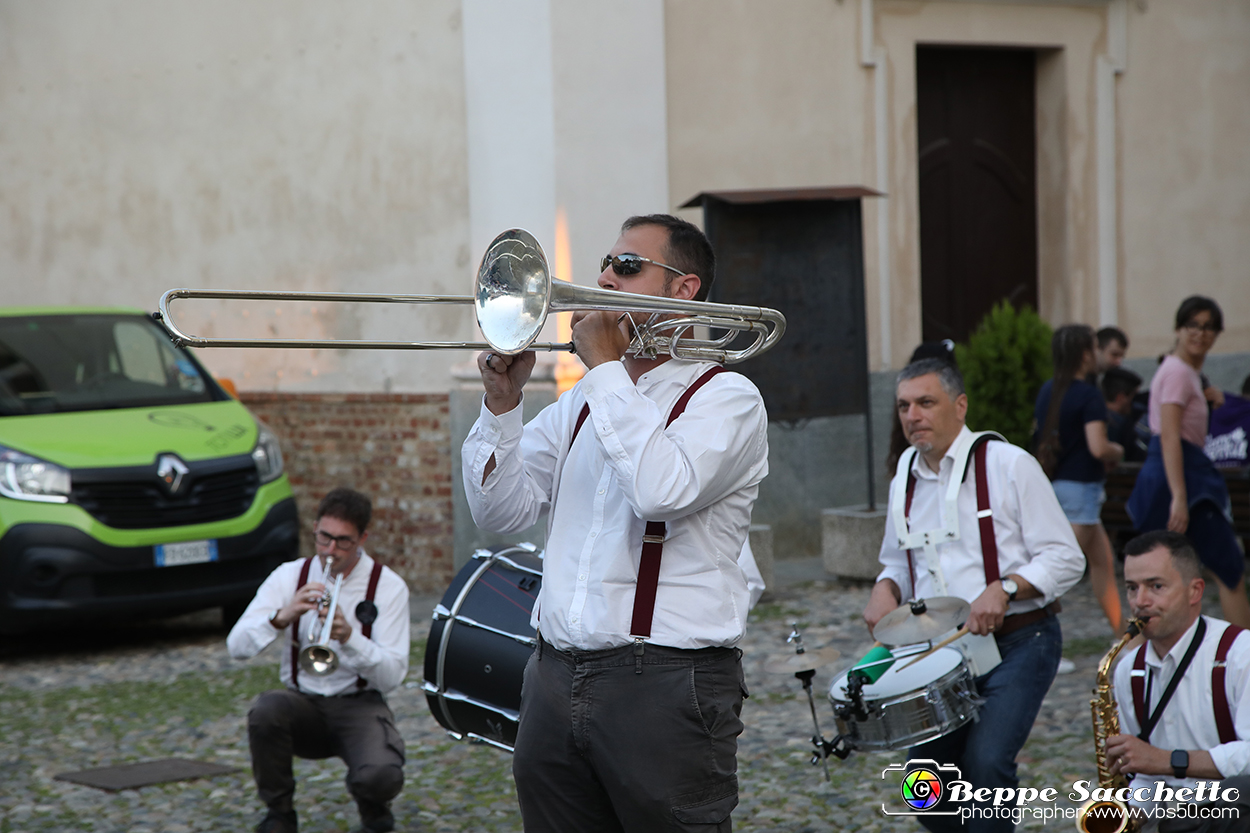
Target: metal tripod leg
[806,678]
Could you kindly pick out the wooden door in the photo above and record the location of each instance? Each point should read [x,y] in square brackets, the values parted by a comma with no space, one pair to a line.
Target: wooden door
[978,189]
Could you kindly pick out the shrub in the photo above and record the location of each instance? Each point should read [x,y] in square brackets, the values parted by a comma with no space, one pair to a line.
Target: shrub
[1004,364]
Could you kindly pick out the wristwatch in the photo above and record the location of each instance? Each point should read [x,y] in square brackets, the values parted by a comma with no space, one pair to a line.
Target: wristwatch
[1011,587]
[1180,762]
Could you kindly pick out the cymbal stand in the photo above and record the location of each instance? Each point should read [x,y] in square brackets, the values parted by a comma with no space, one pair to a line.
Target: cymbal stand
[805,677]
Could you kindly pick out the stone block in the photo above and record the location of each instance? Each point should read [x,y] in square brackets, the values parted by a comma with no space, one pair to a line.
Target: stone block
[851,539]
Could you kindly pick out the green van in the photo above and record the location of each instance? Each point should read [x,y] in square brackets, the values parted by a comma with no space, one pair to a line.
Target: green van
[131,484]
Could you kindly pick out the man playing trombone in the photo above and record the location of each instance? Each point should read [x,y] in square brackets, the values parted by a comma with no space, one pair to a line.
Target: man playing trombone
[342,621]
[646,471]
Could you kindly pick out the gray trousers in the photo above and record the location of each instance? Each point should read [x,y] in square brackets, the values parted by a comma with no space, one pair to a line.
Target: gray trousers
[359,728]
[601,747]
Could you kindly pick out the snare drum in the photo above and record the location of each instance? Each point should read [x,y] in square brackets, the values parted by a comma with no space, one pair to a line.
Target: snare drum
[907,707]
[479,643]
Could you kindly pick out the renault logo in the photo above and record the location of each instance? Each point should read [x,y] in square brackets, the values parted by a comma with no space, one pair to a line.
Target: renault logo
[170,469]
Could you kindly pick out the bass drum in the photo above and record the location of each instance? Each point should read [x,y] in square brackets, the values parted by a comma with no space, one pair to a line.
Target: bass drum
[479,643]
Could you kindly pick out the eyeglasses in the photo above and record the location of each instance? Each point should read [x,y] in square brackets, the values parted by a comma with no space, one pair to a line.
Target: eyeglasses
[342,543]
[1195,327]
[631,264]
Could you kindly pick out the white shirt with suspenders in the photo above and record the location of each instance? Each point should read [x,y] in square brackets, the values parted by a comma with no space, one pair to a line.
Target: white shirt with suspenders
[1209,708]
[934,546]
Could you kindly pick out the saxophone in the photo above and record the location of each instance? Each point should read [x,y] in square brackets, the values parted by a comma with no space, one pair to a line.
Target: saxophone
[1113,816]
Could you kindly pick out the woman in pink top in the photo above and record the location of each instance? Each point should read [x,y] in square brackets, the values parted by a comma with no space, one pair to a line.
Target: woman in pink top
[1179,487]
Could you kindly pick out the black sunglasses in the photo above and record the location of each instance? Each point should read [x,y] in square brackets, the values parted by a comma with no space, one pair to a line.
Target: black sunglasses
[631,264]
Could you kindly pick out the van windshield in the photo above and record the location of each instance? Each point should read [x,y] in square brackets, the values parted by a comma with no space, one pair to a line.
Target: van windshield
[87,362]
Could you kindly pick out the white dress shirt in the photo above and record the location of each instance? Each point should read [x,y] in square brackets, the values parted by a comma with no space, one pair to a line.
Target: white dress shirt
[382,660]
[700,475]
[1034,538]
[1188,720]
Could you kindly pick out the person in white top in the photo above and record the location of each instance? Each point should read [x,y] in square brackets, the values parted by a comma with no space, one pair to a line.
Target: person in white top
[1201,732]
[342,713]
[630,704]
[1013,592]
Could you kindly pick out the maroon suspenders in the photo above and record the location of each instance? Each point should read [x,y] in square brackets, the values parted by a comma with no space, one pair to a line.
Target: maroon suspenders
[366,628]
[1219,693]
[653,536]
[985,517]
[303,579]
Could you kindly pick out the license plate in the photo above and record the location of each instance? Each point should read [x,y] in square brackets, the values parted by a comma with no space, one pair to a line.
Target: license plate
[185,552]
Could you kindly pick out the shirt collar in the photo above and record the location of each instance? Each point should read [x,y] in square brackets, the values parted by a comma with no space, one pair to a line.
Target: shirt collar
[921,469]
[1178,650]
[666,371]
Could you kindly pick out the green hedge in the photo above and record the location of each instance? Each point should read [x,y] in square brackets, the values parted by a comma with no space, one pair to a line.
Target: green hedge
[1004,364]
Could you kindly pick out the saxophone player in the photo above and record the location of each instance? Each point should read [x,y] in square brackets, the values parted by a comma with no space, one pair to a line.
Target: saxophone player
[1184,695]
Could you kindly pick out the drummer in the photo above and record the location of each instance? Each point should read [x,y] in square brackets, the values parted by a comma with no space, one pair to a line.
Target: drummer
[1012,580]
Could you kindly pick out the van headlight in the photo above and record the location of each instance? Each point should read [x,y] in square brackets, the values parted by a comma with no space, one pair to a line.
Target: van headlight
[267,455]
[23,477]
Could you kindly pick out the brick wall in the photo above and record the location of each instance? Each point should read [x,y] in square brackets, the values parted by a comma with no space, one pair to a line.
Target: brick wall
[396,448]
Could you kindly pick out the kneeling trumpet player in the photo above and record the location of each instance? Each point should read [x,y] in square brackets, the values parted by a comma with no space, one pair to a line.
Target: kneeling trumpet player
[1183,696]
[342,620]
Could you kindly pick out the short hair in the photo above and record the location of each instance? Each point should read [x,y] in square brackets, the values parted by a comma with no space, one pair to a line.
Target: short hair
[688,248]
[949,375]
[1118,380]
[346,505]
[1184,556]
[1195,304]
[1109,334]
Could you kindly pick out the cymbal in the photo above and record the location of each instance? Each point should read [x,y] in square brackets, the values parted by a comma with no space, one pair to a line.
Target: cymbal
[921,620]
[809,660]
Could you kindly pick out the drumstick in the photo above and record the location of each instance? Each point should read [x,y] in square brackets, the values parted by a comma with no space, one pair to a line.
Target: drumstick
[948,640]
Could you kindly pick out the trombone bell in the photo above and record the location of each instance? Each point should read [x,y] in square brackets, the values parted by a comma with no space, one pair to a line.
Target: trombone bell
[512,296]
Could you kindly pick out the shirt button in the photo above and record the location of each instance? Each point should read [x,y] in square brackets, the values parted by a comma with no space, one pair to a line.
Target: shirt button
[580,578]
[593,534]
[601,491]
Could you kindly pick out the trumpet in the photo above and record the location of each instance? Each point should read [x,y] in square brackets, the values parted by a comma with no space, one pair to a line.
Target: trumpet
[513,294]
[319,659]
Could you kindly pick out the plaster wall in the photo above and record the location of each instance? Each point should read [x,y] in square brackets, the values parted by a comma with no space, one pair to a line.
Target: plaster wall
[289,145]
[1185,169]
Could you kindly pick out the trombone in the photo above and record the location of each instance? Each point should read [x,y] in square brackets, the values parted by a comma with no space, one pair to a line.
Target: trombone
[319,659]
[513,294]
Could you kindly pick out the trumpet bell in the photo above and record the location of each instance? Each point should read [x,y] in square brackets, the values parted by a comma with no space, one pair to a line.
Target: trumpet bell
[512,292]
[318,660]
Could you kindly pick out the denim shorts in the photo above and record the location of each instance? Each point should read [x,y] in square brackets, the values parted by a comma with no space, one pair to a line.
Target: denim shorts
[1081,502]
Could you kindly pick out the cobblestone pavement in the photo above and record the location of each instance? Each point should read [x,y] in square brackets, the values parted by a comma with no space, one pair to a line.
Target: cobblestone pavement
[171,690]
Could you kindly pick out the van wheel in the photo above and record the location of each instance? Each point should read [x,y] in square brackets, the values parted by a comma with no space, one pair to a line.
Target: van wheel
[231,612]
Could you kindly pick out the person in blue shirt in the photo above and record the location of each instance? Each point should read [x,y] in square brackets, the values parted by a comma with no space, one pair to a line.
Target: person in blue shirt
[1072,446]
